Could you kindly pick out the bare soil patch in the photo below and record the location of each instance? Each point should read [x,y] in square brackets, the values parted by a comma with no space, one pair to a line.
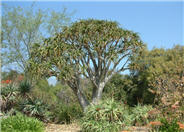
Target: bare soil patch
[62,128]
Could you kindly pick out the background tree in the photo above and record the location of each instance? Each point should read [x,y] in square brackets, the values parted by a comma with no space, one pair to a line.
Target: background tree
[94,49]
[21,27]
[150,68]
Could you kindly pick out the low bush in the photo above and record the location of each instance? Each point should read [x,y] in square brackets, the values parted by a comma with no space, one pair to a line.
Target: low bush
[167,126]
[67,113]
[47,93]
[116,88]
[21,123]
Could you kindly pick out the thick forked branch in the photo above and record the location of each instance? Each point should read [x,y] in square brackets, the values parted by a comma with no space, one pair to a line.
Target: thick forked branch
[89,71]
[91,57]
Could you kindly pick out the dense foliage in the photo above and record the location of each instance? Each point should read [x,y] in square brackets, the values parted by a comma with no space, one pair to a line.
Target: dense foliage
[159,68]
[171,126]
[112,116]
[21,123]
[67,113]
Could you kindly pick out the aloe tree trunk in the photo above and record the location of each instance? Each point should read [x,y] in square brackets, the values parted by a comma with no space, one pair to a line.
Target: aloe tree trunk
[82,99]
[97,93]
[78,91]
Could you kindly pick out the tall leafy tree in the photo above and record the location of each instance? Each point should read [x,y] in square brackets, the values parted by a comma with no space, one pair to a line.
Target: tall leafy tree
[150,69]
[157,62]
[94,49]
[21,27]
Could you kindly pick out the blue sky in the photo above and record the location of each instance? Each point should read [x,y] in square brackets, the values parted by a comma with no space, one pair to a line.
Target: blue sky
[159,24]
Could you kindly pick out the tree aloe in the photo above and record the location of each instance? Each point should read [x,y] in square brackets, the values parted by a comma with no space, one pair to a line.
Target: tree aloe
[94,49]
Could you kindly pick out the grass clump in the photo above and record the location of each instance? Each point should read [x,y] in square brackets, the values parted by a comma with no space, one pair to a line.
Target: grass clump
[21,123]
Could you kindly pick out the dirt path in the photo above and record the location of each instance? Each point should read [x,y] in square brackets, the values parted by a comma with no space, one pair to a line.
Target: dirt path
[62,128]
[75,128]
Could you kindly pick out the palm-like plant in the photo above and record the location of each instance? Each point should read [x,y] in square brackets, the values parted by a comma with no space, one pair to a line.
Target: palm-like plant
[24,87]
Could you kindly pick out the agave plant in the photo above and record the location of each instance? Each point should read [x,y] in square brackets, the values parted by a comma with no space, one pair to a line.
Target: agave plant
[24,87]
[106,116]
[33,107]
[9,94]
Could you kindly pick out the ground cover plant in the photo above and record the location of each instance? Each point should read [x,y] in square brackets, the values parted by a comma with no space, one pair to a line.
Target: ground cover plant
[21,123]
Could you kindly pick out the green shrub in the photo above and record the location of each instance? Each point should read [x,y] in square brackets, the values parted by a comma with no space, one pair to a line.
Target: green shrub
[64,113]
[107,116]
[101,126]
[47,93]
[128,89]
[168,126]
[21,123]
[117,88]
[140,114]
